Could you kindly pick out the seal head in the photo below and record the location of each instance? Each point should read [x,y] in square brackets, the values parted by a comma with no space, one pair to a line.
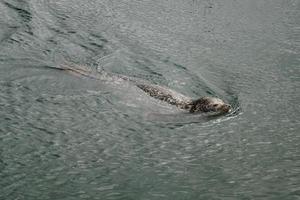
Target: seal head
[209,104]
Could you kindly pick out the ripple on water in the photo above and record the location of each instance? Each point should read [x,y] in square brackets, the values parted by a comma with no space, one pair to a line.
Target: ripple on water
[68,137]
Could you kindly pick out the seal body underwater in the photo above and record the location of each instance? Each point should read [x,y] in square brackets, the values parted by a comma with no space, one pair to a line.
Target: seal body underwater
[203,104]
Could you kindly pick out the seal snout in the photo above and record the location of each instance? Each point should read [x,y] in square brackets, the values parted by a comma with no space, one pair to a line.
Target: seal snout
[226,108]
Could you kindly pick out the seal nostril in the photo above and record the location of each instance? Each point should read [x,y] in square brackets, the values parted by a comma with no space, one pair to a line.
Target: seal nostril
[229,108]
[226,107]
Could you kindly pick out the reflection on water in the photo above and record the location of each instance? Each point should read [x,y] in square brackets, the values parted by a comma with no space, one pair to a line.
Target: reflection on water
[69,137]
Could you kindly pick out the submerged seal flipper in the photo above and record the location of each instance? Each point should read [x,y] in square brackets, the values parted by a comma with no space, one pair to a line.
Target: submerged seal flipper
[80,70]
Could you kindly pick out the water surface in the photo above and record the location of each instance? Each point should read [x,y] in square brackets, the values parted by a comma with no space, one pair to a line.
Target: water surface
[69,137]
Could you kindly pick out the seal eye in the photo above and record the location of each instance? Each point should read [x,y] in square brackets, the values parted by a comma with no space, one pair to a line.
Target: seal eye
[215,105]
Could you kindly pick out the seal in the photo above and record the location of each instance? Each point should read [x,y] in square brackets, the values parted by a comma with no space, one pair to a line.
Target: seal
[203,104]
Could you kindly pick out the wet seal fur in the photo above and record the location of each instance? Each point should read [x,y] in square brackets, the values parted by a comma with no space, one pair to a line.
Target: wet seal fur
[203,104]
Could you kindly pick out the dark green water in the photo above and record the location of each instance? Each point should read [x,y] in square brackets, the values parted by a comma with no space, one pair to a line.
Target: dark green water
[67,137]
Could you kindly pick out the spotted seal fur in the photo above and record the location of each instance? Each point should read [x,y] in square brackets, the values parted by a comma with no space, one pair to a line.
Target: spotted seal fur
[203,104]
